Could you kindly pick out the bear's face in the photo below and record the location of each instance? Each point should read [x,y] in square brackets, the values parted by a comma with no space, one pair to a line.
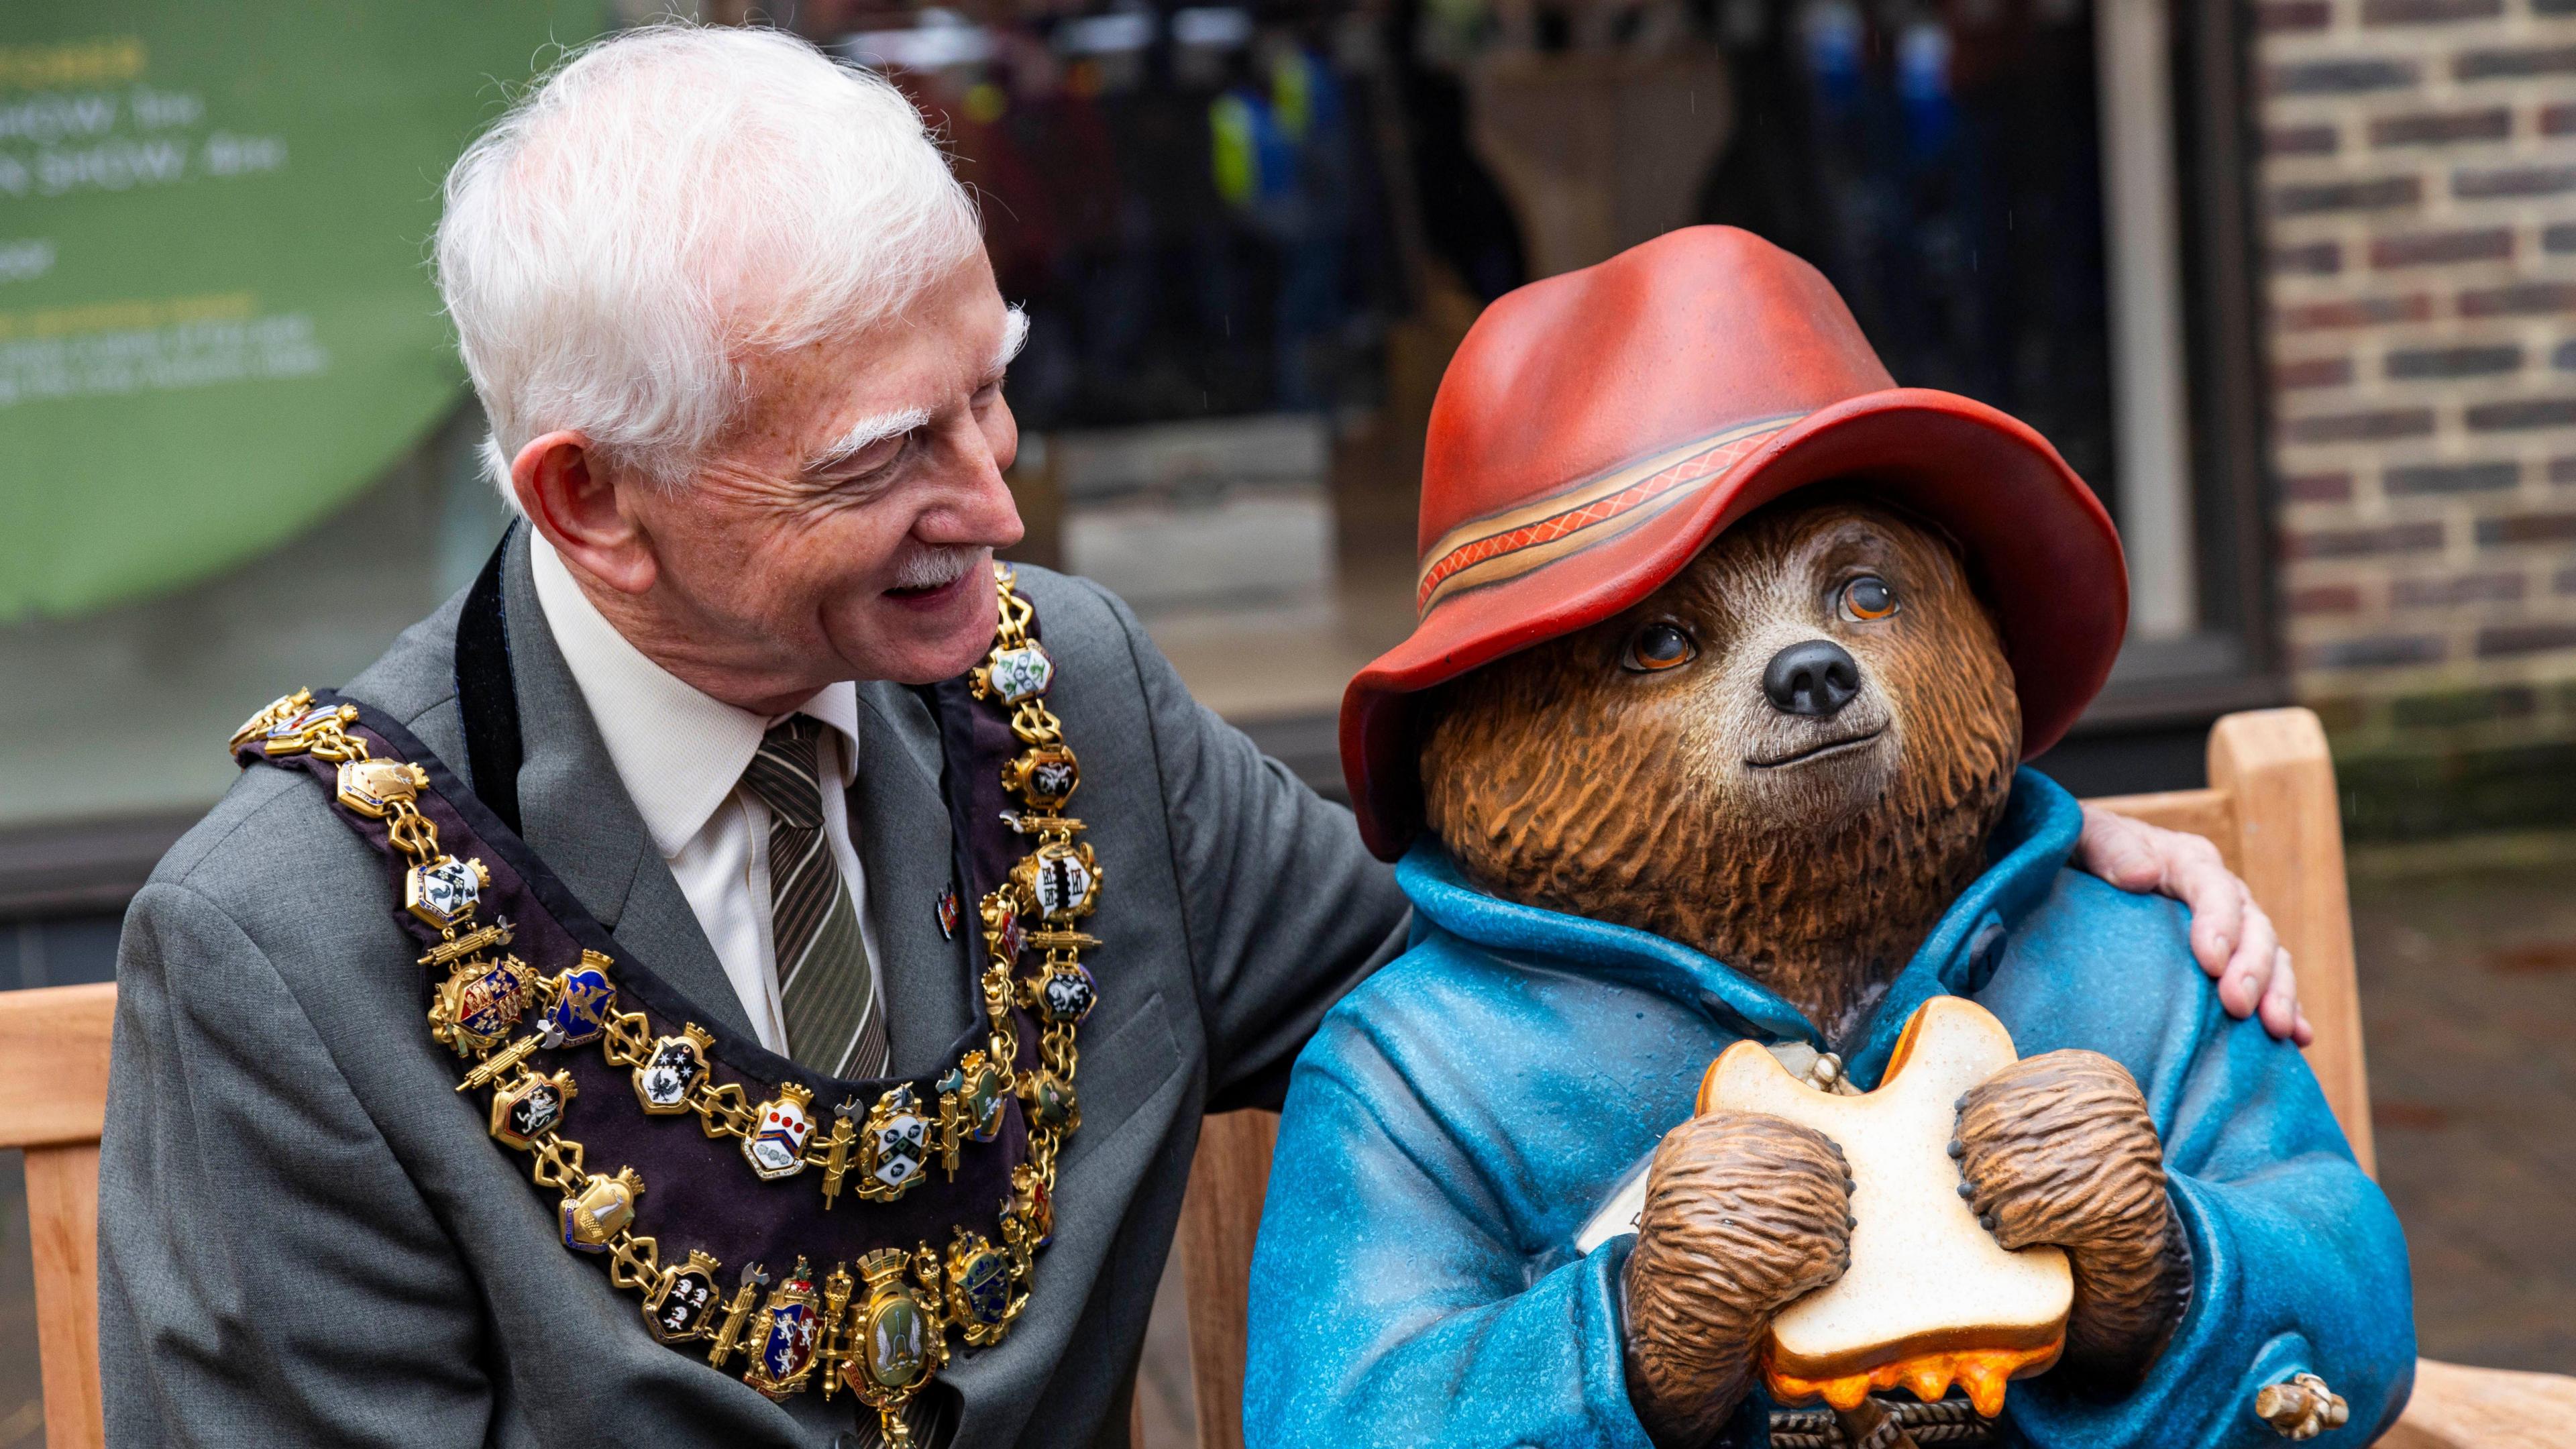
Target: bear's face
[1788,757]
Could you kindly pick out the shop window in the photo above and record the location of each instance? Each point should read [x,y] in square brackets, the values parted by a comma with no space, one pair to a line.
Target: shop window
[1248,239]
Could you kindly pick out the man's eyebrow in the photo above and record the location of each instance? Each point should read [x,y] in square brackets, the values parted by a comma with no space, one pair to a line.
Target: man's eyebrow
[866,433]
[1015,335]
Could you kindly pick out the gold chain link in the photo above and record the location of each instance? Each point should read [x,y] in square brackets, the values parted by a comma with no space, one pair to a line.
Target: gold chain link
[634,1263]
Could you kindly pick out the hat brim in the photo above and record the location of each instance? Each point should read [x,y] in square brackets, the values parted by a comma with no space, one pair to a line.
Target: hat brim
[2040,550]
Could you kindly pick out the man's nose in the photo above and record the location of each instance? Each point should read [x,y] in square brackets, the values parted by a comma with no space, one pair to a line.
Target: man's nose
[1812,678]
[992,516]
[978,508]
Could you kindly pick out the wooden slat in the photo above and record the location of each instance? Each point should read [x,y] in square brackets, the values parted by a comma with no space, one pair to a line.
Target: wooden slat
[1219,1218]
[2209,814]
[2274,762]
[53,1063]
[53,1096]
[62,1223]
[2458,1407]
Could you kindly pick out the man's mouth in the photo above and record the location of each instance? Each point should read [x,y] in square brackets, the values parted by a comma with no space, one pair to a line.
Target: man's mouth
[933,578]
[1843,745]
[909,591]
[929,595]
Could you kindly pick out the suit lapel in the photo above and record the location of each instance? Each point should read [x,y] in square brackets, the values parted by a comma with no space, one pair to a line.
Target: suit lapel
[900,820]
[581,823]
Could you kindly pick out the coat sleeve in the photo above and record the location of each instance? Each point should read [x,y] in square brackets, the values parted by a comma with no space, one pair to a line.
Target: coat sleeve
[1284,908]
[1390,1304]
[2298,1264]
[268,1273]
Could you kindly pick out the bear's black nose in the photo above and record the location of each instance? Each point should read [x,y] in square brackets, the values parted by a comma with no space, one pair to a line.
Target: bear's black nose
[1814,678]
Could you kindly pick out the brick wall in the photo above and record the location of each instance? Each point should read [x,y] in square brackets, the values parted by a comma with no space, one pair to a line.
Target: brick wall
[2419,184]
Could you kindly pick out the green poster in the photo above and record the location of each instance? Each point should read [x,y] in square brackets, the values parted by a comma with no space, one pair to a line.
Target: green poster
[216,318]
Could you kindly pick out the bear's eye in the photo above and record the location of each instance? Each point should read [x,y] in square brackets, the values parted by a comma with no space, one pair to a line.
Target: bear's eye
[1868,597]
[1658,647]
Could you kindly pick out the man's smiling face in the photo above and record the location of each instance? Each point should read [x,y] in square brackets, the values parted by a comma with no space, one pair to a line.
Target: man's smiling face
[844,526]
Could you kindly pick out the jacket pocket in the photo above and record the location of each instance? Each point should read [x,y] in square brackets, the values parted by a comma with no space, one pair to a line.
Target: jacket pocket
[1122,1071]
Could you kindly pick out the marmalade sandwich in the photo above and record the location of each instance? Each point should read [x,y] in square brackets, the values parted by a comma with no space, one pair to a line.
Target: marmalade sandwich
[1931,1298]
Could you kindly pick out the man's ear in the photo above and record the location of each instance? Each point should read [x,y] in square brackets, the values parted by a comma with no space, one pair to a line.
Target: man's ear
[583,511]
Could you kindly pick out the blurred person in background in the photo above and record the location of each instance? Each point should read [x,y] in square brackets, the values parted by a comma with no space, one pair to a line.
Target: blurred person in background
[743,352]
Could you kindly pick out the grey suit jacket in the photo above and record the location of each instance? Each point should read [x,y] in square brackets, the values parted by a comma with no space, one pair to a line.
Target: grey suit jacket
[306,1237]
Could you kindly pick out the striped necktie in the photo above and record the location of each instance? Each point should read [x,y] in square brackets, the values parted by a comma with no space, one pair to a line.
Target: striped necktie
[826,991]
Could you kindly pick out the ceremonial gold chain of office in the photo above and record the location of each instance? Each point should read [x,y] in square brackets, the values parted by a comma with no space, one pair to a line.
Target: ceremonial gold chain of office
[883,1335]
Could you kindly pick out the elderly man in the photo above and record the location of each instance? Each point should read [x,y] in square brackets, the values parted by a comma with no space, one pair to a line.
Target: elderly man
[743,359]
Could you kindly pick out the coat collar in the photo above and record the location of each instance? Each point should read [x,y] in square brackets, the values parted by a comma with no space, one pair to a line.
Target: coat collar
[2031,844]
[899,823]
[581,822]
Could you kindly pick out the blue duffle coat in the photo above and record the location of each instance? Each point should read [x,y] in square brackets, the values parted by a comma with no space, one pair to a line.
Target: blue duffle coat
[1462,1115]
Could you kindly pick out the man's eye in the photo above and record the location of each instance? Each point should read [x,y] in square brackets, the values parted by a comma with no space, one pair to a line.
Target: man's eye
[876,462]
[1868,597]
[1658,647]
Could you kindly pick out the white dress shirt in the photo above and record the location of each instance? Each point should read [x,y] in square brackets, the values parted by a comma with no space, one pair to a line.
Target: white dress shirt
[681,755]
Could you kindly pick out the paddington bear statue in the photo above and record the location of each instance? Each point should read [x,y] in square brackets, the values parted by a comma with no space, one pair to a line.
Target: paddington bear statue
[1710,731]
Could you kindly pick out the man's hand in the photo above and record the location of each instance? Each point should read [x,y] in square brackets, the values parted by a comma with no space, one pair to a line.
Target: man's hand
[2059,1149]
[1744,1214]
[2230,936]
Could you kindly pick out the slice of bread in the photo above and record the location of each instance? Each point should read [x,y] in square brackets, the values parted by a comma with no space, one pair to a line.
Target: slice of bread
[1930,1296]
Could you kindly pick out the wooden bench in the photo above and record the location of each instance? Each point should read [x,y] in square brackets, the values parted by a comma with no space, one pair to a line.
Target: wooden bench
[2271,810]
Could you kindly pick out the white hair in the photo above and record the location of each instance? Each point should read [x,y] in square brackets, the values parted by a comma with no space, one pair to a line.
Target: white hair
[667,204]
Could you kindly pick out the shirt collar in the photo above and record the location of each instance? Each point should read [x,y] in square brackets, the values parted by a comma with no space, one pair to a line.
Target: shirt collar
[678,750]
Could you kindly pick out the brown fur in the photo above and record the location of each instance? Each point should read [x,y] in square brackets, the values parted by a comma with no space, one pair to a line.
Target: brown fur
[1559,779]
[2059,1149]
[1744,1213]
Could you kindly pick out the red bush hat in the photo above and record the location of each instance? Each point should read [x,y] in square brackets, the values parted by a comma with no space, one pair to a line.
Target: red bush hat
[1598,428]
